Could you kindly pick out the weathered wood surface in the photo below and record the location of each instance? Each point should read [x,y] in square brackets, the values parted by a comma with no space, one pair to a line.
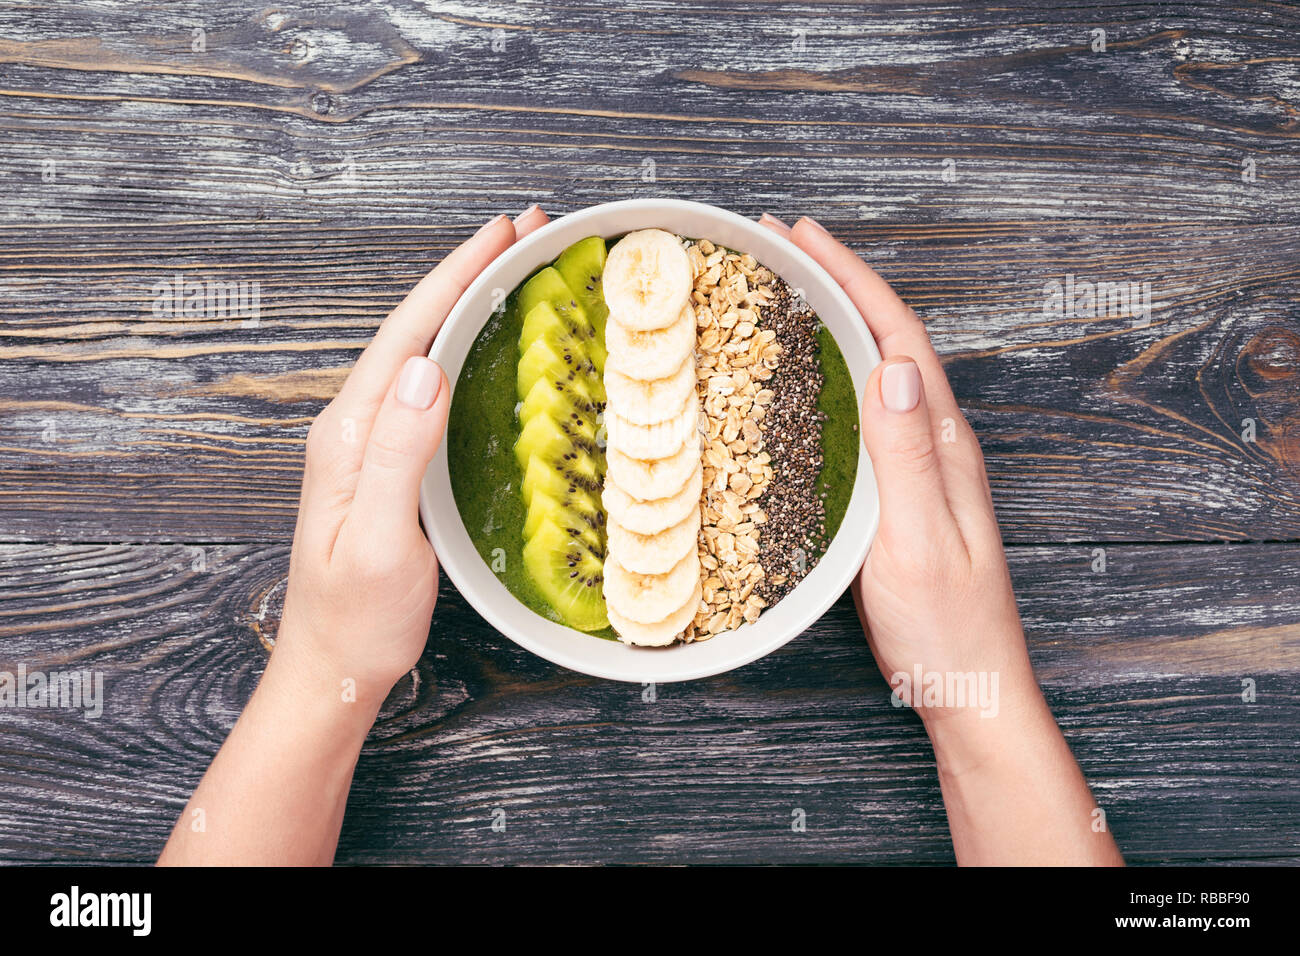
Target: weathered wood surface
[120,425]
[454,110]
[332,153]
[1143,666]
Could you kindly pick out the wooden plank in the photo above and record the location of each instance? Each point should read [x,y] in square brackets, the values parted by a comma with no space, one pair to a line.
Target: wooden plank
[1142,664]
[975,156]
[403,112]
[119,424]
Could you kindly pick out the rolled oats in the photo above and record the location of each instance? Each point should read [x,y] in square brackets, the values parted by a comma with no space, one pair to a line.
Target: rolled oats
[735,355]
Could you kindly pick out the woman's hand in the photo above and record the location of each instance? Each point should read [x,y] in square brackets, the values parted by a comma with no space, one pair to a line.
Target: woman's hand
[362,575]
[935,592]
[362,583]
[936,602]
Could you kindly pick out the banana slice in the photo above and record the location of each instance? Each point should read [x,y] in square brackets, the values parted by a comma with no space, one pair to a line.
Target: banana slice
[662,633]
[650,598]
[651,517]
[649,402]
[653,478]
[654,553]
[649,355]
[647,278]
[655,441]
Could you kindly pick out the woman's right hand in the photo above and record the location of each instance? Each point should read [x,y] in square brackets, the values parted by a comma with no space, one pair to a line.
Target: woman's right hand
[934,593]
[936,602]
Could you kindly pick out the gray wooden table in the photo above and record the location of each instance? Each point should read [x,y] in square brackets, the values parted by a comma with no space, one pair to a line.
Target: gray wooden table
[332,152]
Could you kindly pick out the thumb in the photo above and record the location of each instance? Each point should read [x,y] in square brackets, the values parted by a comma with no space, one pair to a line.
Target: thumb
[403,440]
[899,438]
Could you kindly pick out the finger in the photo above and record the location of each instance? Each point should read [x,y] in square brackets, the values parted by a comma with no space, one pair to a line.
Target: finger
[329,477]
[893,325]
[530,219]
[403,440]
[898,332]
[915,516]
[776,225]
[410,328]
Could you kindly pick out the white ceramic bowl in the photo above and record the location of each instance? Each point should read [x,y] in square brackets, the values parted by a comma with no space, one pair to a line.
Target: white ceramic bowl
[610,659]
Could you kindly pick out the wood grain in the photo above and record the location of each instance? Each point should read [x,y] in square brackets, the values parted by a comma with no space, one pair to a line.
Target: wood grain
[406,113]
[119,425]
[331,153]
[1143,666]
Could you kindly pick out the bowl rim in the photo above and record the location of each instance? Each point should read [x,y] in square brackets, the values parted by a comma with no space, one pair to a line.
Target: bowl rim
[441,531]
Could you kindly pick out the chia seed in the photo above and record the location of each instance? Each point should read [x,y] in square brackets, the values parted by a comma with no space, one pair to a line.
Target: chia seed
[794,535]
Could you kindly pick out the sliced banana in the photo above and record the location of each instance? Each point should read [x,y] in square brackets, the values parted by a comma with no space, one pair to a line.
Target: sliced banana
[654,553]
[655,441]
[662,633]
[650,598]
[647,278]
[651,517]
[647,402]
[649,355]
[652,478]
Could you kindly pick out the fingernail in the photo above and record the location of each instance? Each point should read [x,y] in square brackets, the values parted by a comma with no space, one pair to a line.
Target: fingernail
[811,221]
[527,212]
[768,217]
[418,385]
[900,386]
[490,223]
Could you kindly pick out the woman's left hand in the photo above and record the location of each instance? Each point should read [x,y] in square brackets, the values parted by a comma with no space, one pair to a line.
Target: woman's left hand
[362,583]
[362,576]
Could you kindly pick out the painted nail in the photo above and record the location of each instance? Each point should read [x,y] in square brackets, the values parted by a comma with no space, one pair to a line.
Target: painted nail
[419,383]
[900,386]
[528,212]
[814,222]
[490,223]
[767,217]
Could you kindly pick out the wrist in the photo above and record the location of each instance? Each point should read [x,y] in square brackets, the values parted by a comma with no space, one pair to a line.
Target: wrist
[318,689]
[966,739]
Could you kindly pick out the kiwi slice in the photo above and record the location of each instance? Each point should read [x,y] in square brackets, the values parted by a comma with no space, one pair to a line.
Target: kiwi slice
[569,575]
[582,266]
[570,331]
[549,286]
[568,444]
[558,461]
[561,392]
[579,513]
[559,400]
[544,478]
[561,479]
[551,360]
